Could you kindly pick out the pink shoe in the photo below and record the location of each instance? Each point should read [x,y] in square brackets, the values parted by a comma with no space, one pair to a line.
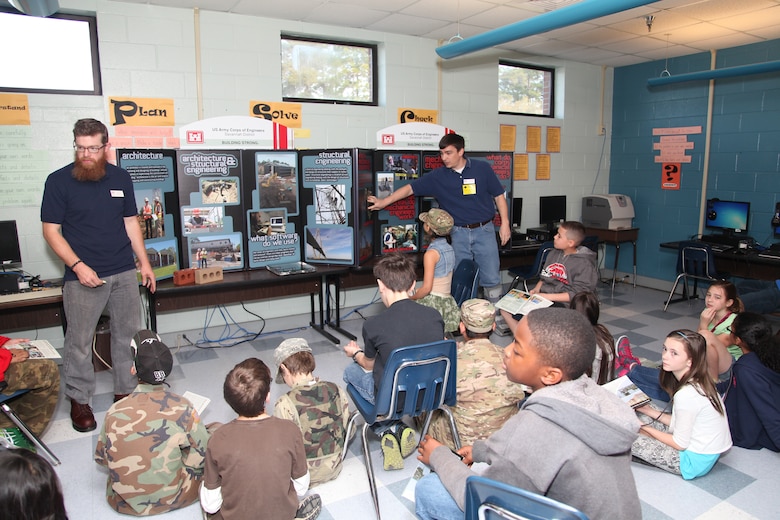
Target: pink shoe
[624,358]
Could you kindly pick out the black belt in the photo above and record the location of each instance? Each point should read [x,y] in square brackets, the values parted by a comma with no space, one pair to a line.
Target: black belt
[478,224]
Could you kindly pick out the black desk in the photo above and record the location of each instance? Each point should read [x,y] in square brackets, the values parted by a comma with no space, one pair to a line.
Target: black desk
[32,310]
[615,237]
[243,286]
[741,263]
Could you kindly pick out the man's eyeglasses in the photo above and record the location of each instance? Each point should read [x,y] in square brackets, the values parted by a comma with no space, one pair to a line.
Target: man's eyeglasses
[90,149]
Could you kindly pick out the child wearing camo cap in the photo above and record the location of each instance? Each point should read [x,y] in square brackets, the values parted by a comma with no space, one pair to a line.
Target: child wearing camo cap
[486,398]
[438,266]
[153,441]
[319,408]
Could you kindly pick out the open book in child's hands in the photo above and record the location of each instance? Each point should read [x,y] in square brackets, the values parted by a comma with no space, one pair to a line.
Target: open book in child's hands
[521,302]
[38,349]
[627,391]
[200,402]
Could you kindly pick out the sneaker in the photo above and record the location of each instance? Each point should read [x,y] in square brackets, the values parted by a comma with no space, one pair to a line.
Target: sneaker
[624,358]
[309,508]
[408,441]
[391,452]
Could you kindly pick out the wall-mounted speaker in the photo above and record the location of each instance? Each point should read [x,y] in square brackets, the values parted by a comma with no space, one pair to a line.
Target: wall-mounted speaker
[42,8]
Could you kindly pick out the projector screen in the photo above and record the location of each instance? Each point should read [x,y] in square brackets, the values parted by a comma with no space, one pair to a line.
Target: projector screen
[56,55]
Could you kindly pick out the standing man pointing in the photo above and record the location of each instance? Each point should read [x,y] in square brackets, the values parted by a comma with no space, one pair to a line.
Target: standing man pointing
[471,192]
[90,221]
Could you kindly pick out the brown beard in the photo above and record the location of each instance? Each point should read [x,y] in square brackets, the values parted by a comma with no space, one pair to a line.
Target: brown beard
[93,171]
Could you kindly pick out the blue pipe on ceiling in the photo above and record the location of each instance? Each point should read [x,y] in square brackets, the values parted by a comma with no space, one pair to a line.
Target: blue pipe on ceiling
[563,17]
[729,72]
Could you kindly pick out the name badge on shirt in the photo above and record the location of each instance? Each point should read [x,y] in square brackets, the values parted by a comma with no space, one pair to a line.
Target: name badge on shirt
[118,194]
[469,187]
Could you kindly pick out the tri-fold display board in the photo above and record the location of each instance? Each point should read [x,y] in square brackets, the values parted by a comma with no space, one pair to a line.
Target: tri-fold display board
[250,208]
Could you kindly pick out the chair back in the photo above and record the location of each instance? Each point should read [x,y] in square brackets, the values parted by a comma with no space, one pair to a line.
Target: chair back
[488,499]
[591,242]
[541,258]
[464,281]
[695,259]
[417,379]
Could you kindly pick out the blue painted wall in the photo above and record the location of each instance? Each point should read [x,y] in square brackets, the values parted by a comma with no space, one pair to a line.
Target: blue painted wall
[744,156]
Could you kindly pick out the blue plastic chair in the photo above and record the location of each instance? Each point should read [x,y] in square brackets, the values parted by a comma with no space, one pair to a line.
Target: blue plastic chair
[417,380]
[465,281]
[39,445]
[488,499]
[525,273]
[694,260]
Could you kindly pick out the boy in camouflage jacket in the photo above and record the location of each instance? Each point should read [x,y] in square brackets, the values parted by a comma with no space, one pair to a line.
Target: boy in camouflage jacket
[319,408]
[153,442]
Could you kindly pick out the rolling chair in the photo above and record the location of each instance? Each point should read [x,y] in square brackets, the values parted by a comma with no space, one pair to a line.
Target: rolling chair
[465,280]
[694,260]
[525,273]
[39,445]
[417,380]
[489,499]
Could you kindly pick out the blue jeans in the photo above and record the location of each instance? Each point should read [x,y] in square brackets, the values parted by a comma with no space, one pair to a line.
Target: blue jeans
[433,501]
[362,381]
[83,308]
[478,244]
[646,379]
[759,296]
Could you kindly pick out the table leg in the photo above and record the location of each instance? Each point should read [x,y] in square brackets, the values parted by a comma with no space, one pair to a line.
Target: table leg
[320,327]
[633,242]
[614,267]
[337,326]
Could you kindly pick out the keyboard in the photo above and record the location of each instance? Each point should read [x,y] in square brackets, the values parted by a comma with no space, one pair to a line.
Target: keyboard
[720,248]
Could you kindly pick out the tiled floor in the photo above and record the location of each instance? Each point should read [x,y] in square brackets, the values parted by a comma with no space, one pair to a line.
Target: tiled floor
[742,485]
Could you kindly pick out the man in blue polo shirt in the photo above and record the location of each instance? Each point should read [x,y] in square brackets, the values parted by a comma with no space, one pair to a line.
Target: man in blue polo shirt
[90,221]
[471,192]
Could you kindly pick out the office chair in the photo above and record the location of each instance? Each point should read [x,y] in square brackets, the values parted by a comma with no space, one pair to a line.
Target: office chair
[694,260]
[39,445]
[526,272]
[465,280]
[488,499]
[417,380]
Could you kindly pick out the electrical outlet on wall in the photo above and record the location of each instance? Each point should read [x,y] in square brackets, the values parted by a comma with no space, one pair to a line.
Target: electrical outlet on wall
[602,130]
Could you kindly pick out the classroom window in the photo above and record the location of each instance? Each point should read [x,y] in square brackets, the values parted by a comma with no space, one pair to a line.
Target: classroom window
[57,54]
[525,89]
[327,71]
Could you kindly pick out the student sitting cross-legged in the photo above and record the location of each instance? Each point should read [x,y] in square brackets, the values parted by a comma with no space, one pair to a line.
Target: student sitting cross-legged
[571,440]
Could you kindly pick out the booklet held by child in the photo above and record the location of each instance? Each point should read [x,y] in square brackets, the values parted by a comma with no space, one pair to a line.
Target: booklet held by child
[627,391]
[520,302]
[38,349]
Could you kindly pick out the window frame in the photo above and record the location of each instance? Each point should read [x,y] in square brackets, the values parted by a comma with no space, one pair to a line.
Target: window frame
[97,79]
[374,48]
[550,70]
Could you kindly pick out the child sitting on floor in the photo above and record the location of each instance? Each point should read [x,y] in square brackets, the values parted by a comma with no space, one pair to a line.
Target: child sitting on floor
[570,441]
[689,440]
[319,408]
[603,369]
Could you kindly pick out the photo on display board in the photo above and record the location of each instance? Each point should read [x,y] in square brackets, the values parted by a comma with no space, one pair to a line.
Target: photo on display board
[277,181]
[219,190]
[207,219]
[330,204]
[163,256]
[215,250]
[267,222]
[384,184]
[405,166]
[399,238]
[150,213]
[332,243]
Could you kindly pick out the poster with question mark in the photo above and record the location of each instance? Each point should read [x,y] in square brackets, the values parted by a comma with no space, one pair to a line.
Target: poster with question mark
[670,176]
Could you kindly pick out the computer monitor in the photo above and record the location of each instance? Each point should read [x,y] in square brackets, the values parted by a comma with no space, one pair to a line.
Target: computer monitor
[10,253]
[552,210]
[517,213]
[728,216]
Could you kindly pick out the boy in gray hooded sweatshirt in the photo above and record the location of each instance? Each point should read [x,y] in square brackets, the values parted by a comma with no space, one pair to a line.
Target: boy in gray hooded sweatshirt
[571,440]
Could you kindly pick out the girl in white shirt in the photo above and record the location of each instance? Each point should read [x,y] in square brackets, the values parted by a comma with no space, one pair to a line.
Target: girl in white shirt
[689,440]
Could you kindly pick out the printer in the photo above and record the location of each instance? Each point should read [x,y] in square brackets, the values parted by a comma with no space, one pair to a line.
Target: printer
[610,211]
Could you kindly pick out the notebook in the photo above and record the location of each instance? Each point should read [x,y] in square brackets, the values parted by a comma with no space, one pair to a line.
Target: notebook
[627,391]
[291,268]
